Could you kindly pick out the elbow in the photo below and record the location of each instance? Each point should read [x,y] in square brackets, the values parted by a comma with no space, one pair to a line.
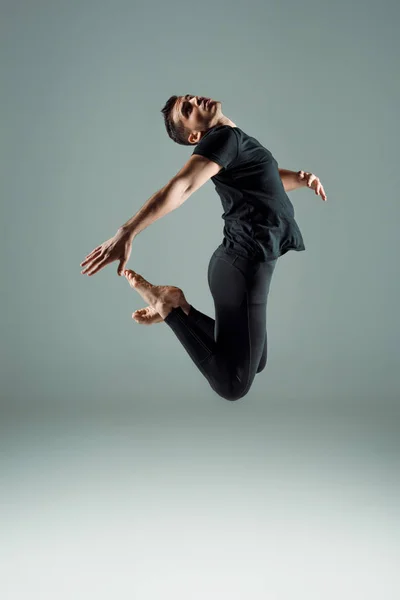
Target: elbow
[177,192]
[182,191]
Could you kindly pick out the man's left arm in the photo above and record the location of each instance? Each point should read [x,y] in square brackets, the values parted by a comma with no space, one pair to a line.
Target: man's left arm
[292,180]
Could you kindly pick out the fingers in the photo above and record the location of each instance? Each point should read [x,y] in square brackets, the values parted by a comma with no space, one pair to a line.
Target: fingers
[91,262]
[319,190]
[313,180]
[310,180]
[91,255]
[97,262]
[96,266]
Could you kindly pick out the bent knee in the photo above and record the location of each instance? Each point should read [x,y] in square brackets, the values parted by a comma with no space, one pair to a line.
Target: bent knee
[262,365]
[234,392]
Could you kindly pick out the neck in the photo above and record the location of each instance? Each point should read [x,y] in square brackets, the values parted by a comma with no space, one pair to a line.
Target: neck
[221,121]
[225,121]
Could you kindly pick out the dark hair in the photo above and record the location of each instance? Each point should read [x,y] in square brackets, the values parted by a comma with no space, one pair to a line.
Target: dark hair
[176,130]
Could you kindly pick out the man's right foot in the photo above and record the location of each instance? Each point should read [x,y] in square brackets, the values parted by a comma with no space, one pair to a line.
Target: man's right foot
[161,298]
[147,316]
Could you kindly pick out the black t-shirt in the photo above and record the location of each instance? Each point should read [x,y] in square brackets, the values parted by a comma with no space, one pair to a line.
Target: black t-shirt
[259,217]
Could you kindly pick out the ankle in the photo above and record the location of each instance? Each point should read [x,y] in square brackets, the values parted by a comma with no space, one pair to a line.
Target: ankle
[185,307]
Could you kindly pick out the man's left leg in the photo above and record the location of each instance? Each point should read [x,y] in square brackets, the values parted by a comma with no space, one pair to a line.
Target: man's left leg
[149,316]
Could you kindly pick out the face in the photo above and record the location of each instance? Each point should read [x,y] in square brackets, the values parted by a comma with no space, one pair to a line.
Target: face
[198,114]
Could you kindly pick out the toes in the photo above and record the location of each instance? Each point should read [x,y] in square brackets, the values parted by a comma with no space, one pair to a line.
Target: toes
[134,278]
[146,316]
[142,312]
[141,319]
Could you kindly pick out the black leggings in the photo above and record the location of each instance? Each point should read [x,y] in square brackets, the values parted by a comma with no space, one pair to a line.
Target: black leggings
[232,349]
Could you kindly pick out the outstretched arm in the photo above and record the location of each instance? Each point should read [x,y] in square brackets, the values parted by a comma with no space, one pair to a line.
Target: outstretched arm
[170,197]
[190,178]
[292,180]
[195,173]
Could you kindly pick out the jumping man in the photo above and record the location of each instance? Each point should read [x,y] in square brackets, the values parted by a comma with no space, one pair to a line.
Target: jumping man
[259,227]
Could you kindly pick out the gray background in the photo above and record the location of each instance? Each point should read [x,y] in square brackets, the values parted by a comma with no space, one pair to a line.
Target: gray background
[123,475]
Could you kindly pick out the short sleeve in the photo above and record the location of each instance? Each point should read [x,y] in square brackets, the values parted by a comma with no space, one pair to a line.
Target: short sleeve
[220,146]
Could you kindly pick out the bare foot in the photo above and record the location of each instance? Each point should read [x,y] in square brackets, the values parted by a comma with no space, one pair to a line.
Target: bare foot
[147,316]
[161,298]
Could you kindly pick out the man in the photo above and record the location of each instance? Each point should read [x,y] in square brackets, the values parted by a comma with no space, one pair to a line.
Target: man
[259,228]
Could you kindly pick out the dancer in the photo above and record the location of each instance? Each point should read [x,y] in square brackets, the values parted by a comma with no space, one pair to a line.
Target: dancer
[259,227]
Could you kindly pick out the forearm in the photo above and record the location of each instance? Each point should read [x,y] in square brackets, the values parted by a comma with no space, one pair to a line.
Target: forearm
[291,180]
[160,204]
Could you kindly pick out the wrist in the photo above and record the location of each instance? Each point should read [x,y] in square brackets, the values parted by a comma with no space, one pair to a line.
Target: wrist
[128,230]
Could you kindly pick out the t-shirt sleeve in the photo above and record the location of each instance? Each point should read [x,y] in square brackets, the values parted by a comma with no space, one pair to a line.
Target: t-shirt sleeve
[220,146]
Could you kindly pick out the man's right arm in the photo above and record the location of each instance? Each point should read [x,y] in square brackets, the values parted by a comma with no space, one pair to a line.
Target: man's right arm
[194,174]
[170,197]
[190,178]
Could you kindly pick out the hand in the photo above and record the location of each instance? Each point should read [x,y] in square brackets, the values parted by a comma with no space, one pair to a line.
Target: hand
[116,248]
[313,182]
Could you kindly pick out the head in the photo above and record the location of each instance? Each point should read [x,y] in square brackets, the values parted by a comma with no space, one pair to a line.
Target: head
[188,118]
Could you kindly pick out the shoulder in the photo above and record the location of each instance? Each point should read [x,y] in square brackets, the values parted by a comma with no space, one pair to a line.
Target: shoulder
[224,129]
[220,130]
[220,135]
[220,145]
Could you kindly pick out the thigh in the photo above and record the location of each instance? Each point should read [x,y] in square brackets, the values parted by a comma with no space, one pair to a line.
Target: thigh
[231,278]
[239,288]
[227,283]
[258,291]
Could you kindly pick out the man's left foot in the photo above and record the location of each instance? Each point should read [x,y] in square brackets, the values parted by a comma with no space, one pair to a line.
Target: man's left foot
[147,316]
[161,298]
